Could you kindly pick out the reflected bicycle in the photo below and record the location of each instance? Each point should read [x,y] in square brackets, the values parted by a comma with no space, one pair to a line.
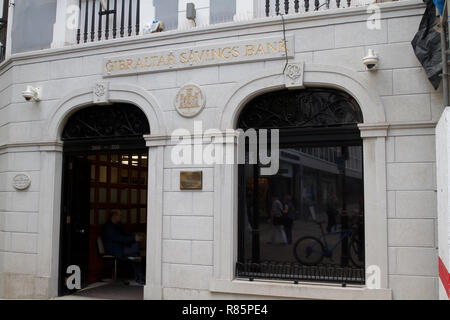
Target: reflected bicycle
[310,250]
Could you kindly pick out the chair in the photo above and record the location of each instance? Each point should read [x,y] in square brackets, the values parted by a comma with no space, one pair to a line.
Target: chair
[107,257]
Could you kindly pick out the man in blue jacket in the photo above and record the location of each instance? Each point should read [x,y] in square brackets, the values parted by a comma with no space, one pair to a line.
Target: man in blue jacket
[119,242]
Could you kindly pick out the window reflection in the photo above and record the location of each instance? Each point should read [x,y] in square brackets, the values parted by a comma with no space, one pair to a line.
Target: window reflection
[316,195]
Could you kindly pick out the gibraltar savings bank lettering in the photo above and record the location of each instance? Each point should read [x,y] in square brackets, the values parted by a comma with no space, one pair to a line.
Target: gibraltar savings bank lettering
[237,52]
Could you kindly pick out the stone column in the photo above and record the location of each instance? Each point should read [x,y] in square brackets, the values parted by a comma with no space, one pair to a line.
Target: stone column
[153,287]
[375,204]
[49,226]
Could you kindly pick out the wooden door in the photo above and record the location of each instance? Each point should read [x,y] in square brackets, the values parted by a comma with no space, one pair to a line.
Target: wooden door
[75,219]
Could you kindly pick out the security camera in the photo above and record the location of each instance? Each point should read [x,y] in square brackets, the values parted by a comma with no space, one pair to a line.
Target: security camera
[371,60]
[32,94]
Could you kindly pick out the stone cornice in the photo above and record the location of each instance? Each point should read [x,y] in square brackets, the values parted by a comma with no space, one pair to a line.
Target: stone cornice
[39,146]
[179,37]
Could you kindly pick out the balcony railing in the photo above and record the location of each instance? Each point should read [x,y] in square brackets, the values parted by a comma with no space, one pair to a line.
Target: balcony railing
[3,33]
[111,19]
[108,19]
[3,28]
[284,7]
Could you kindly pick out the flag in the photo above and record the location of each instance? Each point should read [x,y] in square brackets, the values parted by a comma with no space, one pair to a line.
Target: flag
[427,45]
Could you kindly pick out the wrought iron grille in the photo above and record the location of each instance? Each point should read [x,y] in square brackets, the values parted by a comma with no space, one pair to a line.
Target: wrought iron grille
[300,109]
[291,271]
[117,121]
[278,7]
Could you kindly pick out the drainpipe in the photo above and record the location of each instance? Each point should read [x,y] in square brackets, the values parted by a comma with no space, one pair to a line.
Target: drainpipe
[445,52]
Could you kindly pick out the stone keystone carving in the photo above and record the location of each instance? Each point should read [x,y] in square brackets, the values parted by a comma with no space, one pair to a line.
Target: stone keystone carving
[101,93]
[294,75]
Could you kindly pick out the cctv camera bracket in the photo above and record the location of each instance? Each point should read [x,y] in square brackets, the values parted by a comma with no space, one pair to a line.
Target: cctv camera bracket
[36,93]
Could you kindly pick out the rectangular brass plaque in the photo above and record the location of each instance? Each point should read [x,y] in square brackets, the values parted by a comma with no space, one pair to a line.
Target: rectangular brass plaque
[191,180]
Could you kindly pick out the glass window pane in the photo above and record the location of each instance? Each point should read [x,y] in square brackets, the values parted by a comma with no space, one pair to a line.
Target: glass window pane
[135,160]
[133,215]
[103,174]
[92,195]
[113,195]
[102,195]
[103,157]
[30,16]
[114,158]
[144,160]
[134,194]
[308,197]
[101,216]
[167,12]
[143,216]
[134,176]
[124,196]
[92,172]
[114,175]
[144,177]
[143,196]
[124,175]
[222,11]
[124,215]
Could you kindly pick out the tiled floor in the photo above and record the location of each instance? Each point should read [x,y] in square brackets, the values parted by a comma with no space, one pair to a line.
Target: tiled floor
[108,291]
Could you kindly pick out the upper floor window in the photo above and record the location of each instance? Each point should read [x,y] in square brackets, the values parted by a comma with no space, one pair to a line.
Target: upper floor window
[305,223]
[33,25]
[167,12]
[222,11]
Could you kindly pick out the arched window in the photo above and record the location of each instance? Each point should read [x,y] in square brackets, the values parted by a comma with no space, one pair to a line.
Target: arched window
[304,223]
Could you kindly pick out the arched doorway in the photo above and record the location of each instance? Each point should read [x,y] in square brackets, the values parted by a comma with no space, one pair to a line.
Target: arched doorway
[306,223]
[105,168]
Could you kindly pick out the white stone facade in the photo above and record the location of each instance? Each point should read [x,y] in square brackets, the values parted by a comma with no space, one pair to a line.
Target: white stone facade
[192,239]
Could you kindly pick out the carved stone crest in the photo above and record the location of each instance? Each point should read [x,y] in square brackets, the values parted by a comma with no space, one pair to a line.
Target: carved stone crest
[101,93]
[294,75]
[190,100]
[21,181]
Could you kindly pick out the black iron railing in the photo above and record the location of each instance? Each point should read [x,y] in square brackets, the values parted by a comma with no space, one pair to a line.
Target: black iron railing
[278,7]
[111,19]
[295,272]
[3,30]
[3,34]
[108,19]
